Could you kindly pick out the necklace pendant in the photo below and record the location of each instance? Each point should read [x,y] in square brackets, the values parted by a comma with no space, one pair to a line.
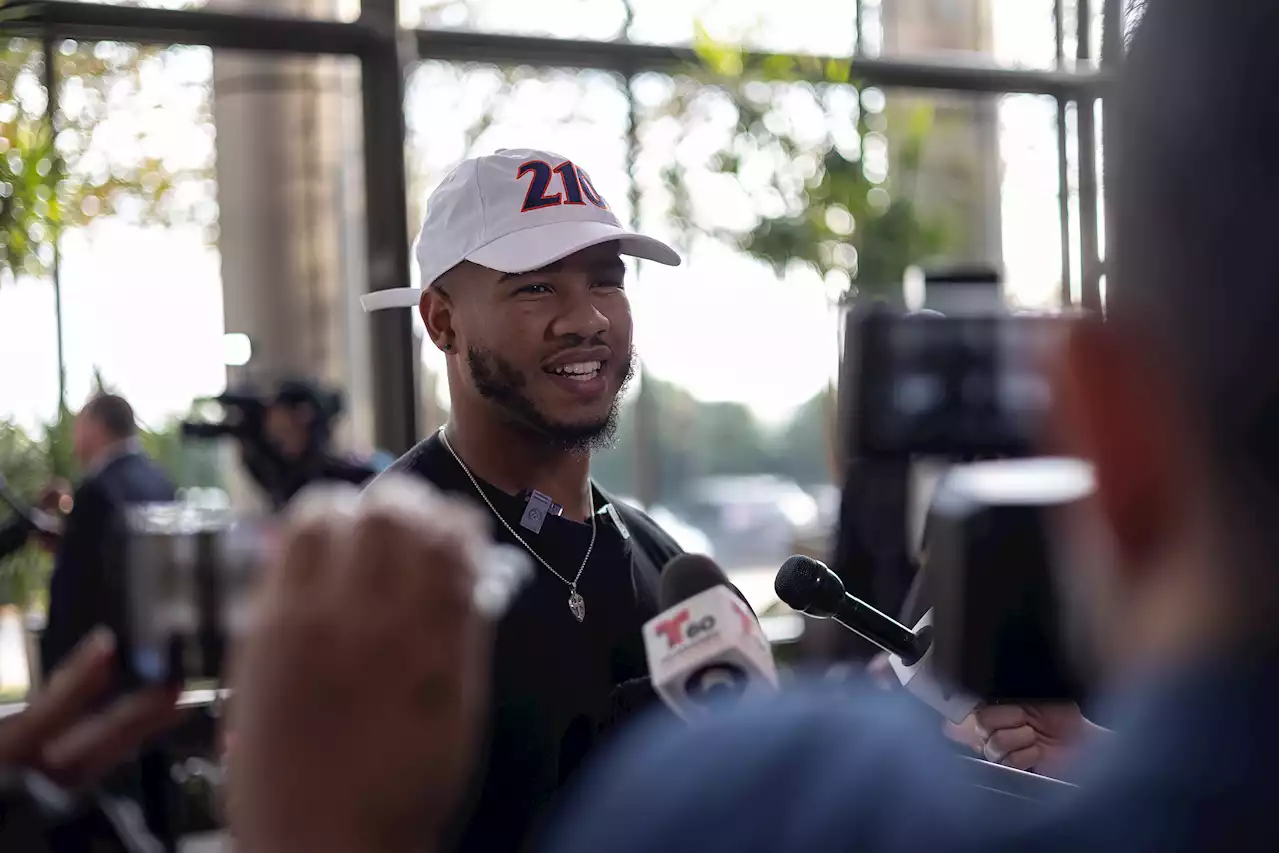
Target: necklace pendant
[577,606]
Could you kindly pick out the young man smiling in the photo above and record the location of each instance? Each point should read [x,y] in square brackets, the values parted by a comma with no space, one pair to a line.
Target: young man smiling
[523,290]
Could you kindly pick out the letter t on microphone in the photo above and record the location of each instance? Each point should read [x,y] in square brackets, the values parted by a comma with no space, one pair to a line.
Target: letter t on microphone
[707,648]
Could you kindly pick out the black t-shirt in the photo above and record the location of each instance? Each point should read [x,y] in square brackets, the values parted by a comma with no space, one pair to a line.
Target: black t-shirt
[553,676]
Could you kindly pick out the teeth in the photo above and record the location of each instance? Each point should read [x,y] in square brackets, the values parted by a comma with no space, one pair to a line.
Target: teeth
[581,370]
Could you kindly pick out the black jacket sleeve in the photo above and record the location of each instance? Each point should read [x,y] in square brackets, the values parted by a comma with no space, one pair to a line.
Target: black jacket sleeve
[77,590]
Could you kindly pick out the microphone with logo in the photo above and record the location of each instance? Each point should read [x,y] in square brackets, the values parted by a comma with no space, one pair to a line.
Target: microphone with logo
[812,588]
[706,645]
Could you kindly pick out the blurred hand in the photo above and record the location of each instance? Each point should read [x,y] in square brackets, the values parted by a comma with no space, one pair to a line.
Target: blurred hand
[59,735]
[964,732]
[55,502]
[881,673]
[55,497]
[1031,737]
[358,692]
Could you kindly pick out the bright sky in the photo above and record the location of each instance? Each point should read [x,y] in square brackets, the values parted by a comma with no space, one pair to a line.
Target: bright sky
[144,305]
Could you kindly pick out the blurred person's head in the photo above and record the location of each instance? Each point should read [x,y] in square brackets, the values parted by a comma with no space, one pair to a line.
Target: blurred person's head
[523,290]
[1173,398]
[297,421]
[104,423]
[288,427]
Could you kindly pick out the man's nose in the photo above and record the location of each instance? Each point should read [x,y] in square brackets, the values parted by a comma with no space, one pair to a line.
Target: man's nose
[581,318]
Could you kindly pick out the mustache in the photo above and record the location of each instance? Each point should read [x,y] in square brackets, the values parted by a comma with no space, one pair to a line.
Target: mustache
[571,342]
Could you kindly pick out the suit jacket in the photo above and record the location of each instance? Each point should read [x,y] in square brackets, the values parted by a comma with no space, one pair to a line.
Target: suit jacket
[81,592]
[837,768]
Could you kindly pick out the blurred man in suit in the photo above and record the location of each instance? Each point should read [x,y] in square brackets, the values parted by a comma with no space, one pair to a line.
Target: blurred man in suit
[117,474]
[1174,402]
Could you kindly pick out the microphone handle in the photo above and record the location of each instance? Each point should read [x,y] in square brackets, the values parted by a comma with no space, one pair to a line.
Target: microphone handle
[889,634]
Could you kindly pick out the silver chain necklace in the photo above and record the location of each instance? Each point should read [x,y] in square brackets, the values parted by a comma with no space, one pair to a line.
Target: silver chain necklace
[577,606]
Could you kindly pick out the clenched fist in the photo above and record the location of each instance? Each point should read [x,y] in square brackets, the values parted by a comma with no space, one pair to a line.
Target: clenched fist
[1033,737]
[359,688]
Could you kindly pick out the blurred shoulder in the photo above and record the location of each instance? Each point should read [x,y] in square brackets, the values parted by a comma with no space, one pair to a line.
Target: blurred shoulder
[820,766]
[427,459]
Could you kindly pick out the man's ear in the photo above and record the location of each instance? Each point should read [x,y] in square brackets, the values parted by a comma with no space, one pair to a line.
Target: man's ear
[1115,411]
[437,310]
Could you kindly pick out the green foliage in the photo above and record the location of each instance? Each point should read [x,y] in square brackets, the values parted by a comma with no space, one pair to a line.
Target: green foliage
[825,199]
[23,575]
[54,177]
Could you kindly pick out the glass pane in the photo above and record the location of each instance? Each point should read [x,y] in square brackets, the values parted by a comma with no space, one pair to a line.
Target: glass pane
[783,196]
[780,196]
[341,10]
[292,228]
[159,256]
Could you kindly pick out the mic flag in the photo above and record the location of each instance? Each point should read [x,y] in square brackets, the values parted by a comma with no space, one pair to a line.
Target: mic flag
[706,644]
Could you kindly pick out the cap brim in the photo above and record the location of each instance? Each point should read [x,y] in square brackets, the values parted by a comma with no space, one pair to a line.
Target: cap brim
[534,248]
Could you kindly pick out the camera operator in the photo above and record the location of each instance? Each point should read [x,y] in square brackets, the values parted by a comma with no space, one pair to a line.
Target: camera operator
[1173,402]
[291,447]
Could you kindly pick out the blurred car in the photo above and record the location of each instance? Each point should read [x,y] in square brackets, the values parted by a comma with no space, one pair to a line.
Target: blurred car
[752,521]
[687,536]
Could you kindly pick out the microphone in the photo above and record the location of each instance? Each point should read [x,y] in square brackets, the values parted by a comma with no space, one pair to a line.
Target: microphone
[706,645]
[810,587]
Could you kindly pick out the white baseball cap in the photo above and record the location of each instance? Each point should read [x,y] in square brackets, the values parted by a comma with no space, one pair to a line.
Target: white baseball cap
[514,211]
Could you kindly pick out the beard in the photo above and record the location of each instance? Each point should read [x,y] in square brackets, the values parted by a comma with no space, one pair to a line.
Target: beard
[499,382]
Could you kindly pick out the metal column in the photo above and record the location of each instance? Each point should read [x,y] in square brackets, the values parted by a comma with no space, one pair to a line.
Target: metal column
[1064,183]
[1112,57]
[395,353]
[1086,139]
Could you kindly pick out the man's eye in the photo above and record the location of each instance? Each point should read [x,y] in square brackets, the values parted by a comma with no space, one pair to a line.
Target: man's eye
[613,284]
[535,289]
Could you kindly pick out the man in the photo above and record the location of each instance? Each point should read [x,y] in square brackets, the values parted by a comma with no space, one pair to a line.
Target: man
[1173,400]
[117,474]
[523,290]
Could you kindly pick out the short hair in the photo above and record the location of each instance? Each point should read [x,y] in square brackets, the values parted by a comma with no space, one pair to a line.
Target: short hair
[113,413]
[1194,270]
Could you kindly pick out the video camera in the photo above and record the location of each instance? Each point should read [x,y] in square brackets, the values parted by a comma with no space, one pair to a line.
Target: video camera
[244,417]
[244,412]
[962,387]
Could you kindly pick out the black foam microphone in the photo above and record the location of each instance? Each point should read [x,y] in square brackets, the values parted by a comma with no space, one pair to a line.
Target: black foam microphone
[812,588]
